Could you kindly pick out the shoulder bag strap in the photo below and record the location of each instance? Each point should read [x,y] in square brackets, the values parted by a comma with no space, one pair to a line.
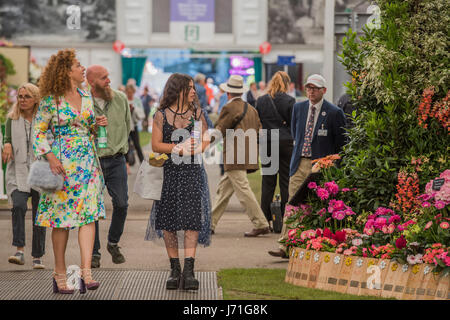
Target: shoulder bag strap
[241,117]
[276,111]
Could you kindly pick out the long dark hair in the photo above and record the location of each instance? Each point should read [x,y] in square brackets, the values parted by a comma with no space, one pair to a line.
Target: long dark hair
[176,84]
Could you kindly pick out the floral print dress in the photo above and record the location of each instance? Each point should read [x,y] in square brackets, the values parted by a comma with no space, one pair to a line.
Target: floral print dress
[81,201]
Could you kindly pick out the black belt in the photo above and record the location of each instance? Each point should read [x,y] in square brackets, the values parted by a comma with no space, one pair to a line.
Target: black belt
[115,156]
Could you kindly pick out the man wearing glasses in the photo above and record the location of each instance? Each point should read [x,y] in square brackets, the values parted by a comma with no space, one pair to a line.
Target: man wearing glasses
[318,129]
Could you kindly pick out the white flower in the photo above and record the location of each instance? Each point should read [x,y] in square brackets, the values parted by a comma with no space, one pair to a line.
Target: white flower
[359,263]
[405,268]
[419,258]
[383,264]
[411,259]
[302,254]
[357,242]
[337,259]
[316,257]
[426,270]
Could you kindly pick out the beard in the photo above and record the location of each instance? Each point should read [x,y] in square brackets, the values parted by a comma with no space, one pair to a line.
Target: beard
[105,93]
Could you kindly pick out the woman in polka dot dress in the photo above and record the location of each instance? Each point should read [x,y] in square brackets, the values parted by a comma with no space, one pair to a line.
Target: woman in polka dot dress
[184,208]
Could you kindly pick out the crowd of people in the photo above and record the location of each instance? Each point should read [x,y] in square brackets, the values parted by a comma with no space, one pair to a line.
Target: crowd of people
[61,119]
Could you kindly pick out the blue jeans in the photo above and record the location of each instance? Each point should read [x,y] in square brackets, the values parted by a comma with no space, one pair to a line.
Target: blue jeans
[19,209]
[116,180]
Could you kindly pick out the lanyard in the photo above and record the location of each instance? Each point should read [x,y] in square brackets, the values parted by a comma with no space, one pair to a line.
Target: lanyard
[28,135]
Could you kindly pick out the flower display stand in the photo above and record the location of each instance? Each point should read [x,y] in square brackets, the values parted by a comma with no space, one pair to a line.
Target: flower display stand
[365,276]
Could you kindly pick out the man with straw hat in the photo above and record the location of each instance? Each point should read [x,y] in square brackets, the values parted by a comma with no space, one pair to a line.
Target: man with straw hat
[235,115]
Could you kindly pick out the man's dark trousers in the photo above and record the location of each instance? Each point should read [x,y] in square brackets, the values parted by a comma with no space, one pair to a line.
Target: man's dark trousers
[116,180]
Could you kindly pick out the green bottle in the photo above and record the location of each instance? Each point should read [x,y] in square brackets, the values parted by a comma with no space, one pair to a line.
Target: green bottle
[102,138]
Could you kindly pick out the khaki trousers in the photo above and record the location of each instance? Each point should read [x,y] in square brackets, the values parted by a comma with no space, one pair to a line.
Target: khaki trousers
[295,182]
[237,181]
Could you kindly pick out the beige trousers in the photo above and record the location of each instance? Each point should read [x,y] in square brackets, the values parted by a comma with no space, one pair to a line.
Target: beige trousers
[303,171]
[237,181]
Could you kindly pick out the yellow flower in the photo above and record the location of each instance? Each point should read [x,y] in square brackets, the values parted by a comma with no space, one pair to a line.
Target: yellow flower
[308,255]
[371,263]
[61,195]
[43,126]
[296,254]
[86,114]
[394,267]
[416,268]
[327,258]
[348,261]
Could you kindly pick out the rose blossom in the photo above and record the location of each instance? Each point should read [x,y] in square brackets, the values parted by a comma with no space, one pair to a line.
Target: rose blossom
[400,243]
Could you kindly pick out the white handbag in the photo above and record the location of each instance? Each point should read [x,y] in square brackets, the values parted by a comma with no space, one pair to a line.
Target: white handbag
[149,181]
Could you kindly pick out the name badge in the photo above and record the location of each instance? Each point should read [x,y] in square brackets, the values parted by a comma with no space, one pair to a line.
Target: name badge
[322,133]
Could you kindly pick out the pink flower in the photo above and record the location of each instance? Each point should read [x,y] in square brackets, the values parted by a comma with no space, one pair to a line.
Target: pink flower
[395,218]
[322,194]
[312,185]
[380,222]
[345,190]
[357,242]
[428,225]
[369,231]
[348,252]
[426,204]
[332,187]
[321,212]
[439,205]
[292,233]
[444,225]
[339,215]
[425,197]
[349,212]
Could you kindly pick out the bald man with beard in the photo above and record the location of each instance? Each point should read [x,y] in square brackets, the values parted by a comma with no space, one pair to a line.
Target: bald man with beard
[114,106]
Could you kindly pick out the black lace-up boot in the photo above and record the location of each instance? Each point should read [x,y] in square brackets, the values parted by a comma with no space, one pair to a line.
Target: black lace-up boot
[173,282]
[189,282]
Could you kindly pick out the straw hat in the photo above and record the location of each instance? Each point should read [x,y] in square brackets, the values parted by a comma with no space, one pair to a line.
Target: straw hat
[234,85]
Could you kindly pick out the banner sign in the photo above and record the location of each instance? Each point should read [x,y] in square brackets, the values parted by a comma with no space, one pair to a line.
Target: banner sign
[192,21]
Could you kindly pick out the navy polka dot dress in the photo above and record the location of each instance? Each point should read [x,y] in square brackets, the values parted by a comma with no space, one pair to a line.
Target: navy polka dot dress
[185,199]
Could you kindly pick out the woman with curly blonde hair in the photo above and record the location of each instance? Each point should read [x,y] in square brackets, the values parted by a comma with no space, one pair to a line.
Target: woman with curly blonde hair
[68,112]
[18,154]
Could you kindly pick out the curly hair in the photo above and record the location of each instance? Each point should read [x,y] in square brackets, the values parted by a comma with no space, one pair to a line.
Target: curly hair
[55,80]
[279,83]
[176,84]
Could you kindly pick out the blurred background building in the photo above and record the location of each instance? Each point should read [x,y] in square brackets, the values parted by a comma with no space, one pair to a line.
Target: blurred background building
[158,37]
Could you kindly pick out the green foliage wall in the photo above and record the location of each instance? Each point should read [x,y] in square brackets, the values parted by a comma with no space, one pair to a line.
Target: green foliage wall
[390,68]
